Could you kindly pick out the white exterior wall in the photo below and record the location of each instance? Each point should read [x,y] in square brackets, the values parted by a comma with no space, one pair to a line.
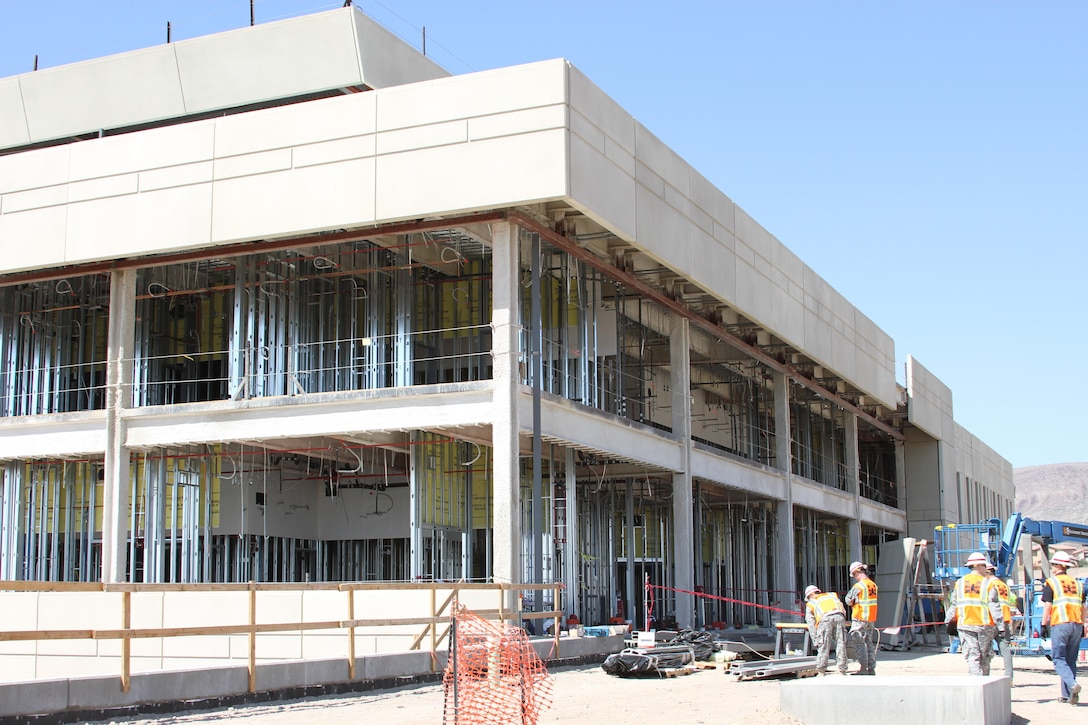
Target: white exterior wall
[944,461]
[481,141]
[55,659]
[314,53]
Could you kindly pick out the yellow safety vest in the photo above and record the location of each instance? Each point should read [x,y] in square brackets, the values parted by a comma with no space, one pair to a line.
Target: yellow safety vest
[864,609]
[1068,596]
[824,604]
[971,609]
[1003,595]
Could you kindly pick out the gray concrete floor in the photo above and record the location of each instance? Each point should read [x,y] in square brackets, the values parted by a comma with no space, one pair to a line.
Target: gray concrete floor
[588,695]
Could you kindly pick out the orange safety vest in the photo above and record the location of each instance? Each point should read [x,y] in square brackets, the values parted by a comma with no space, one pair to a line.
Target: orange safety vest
[1068,596]
[864,609]
[971,608]
[1003,595]
[824,604]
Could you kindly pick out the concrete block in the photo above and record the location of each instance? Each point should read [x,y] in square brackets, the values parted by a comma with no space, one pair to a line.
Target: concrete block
[903,700]
[402,664]
[30,698]
[105,692]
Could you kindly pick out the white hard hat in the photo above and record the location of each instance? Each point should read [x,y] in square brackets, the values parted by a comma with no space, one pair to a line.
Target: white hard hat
[855,566]
[810,590]
[977,558]
[1062,559]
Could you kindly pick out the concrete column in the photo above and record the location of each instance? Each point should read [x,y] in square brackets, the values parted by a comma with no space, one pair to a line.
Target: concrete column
[683,515]
[900,475]
[505,325]
[853,481]
[119,364]
[786,569]
[571,547]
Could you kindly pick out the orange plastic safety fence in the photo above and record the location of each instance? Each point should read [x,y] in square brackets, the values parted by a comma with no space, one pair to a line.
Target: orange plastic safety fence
[493,675]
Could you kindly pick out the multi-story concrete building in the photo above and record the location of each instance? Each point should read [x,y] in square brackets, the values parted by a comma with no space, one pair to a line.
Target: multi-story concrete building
[291,303]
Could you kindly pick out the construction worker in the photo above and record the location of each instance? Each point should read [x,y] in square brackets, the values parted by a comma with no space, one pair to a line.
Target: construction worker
[862,602]
[826,619]
[1008,603]
[1063,613]
[977,613]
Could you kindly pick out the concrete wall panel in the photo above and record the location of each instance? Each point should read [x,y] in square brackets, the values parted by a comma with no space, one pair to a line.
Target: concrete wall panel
[608,188]
[115,91]
[505,171]
[587,99]
[295,125]
[268,61]
[293,202]
[121,226]
[133,152]
[386,60]
[473,95]
[13,128]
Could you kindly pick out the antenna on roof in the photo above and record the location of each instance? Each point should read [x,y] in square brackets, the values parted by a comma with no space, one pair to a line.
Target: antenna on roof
[167,31]
[35,61]
[424,40]
[251,13]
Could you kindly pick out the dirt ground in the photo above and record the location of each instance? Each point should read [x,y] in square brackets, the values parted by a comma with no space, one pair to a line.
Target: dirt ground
[588,695]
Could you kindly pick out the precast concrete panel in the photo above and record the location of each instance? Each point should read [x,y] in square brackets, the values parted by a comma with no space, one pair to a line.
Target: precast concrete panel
[386,60]
[929,401]
[473,95]
[32,239]
[298,124]
[293,201]
[662,160]
[266,62]
[821,498]
[504,171]
[594,105]
[13,127]
[122,226]
[661,231]
[155,148]
[33,169]
[111,92]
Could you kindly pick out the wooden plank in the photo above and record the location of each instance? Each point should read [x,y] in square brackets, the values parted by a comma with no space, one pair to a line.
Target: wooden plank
[351,635]
[252,636]
[31,634]
[126,643]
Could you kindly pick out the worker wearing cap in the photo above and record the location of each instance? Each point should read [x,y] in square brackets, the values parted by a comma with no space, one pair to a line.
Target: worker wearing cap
[1007,603]
[1063,613]
[862,602]
[977,613]
[826,619]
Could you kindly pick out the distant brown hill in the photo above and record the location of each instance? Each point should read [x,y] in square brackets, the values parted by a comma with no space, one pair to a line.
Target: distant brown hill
[1055,492]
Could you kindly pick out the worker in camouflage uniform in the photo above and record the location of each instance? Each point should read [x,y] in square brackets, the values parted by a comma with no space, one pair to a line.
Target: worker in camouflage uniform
[862,602]
[1008,603]
[977,612]
[826,620]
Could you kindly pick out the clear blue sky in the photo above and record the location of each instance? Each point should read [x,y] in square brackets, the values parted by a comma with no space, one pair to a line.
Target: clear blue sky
[929,159]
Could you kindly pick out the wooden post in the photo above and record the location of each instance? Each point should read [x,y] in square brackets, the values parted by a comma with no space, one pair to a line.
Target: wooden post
[126,643]
[434,630]
[252,636]
[558,617]
[351,635]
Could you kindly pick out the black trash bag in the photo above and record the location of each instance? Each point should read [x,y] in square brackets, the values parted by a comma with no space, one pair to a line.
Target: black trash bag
[627,664]
[702,642]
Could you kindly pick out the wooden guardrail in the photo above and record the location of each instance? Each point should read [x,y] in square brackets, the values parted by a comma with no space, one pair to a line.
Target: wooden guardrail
[439,614]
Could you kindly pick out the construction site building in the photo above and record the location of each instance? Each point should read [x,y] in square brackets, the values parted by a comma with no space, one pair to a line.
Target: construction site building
[293,303]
